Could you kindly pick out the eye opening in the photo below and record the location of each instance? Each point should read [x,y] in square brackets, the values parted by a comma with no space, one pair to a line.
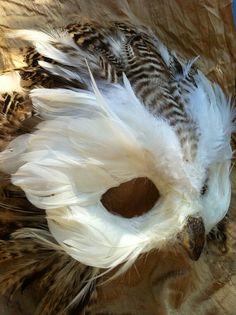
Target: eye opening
[132,198]
[204,189]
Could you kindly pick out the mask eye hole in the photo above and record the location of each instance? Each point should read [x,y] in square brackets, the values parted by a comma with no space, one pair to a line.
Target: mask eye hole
[132,198]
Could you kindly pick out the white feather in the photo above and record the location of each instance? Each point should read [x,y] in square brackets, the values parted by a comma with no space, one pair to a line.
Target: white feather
[10,82]
[60,47]
[211,110]
[72,160]
[61,71]
[64,103]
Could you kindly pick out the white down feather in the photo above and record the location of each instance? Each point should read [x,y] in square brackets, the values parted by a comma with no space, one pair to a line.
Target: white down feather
[208,106]
[72,159]
[10,82]
[88,144]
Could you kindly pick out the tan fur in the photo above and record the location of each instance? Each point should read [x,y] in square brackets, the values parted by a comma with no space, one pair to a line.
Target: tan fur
[160,283]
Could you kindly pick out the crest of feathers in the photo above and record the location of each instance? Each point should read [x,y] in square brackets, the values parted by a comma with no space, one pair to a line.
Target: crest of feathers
[69,76]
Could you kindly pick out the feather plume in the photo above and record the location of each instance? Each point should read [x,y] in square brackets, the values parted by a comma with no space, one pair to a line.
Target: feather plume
[10,82]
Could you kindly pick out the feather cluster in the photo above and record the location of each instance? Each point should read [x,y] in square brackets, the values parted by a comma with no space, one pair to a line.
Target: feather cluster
[97,138]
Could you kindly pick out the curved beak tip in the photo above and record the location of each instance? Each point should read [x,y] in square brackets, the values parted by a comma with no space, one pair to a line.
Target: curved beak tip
[192,237]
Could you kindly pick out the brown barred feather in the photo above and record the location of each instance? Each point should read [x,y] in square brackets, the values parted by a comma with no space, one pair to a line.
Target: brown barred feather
[15,108]
[144,66]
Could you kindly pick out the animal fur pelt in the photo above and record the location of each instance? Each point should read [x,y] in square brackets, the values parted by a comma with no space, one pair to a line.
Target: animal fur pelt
[29,254]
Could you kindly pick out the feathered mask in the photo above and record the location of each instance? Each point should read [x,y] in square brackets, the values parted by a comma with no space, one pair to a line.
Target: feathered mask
[126,108]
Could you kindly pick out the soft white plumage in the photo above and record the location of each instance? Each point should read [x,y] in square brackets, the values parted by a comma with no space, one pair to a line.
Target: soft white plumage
[90,142]
[9,82]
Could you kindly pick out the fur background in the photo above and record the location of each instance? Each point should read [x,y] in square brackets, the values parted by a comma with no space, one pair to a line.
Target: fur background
[192,28]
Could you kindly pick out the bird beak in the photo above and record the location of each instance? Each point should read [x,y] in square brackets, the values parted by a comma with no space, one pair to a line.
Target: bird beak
[192,237]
